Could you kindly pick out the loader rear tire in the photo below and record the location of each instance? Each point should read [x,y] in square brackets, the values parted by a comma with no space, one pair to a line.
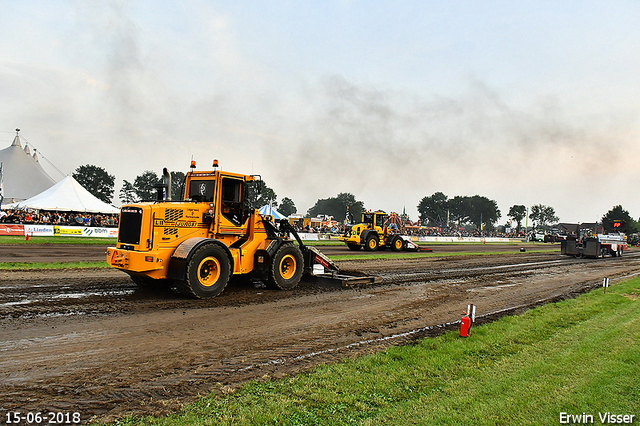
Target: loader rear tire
[372,243]
[287,267]
[207,272]
[397,244]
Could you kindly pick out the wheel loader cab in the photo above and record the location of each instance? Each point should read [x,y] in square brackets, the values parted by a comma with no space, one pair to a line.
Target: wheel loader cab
[368,218]
[374,219]
[227,195]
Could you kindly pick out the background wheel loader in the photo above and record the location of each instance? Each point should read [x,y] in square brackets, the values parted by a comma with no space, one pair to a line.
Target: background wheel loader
[373,233]
[197,243]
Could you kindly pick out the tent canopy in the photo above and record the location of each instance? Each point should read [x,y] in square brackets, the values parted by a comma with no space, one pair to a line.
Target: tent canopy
[267,209]
[66,195]
[22,173]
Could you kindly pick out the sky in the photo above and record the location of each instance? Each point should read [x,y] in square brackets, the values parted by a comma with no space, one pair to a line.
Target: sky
[521,102]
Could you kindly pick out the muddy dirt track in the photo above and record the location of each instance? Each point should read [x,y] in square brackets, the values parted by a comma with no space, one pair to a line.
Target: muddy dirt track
[90,341]
[30,253]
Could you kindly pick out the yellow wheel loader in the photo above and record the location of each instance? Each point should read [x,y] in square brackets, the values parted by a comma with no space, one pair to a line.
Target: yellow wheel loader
[197,243]
[374,234]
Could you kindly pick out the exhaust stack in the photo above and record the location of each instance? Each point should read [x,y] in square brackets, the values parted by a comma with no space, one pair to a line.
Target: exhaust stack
[166,180]
[164,186]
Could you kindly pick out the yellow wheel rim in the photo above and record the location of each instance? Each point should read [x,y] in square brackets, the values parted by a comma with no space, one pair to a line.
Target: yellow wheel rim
[398,244]
[208,271]
[372,243]
[288,267]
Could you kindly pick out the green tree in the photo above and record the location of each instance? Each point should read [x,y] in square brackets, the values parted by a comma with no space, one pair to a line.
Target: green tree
[482,210]
[517,213]
[127,193]
[287,207]
[177,185]
[543,215]
[459,209]
[143,186]
[259,194]
[433,210]
[337,207]
[96,180]
[619,220]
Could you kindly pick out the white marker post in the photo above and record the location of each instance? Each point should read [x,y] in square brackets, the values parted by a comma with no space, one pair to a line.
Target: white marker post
[471,311]
[605,284]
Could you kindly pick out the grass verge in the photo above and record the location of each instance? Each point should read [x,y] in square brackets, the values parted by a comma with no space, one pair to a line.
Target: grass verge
[12,239]
[405,255]
[23,266]
[576,356]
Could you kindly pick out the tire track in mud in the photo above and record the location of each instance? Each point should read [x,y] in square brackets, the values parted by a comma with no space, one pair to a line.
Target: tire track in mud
[312,326]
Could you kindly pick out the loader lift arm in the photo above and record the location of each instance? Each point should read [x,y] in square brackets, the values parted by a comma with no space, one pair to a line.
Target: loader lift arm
[332,277]
[311,255]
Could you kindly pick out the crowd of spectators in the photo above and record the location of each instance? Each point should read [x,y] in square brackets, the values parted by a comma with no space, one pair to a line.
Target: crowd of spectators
[419,232]
[449,232]
[28,217]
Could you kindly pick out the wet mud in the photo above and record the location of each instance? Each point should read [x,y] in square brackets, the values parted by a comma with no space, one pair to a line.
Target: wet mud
[91,341]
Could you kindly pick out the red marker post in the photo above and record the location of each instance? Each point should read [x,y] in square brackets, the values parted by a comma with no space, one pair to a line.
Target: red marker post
[466,321]
[465,325]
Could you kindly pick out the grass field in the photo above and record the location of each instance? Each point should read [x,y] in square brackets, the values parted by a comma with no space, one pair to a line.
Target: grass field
[407,255]
[23,266]
[9,240]
[579,356]
[4,240]
[80,265]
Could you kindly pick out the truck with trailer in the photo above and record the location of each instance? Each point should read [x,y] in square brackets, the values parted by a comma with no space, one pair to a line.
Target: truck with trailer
[197,243]
[594,246]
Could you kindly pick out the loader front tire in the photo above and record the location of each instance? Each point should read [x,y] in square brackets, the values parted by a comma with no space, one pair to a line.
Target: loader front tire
[372,243]
[207,272]
[287,267]
[397,244]
[354,247]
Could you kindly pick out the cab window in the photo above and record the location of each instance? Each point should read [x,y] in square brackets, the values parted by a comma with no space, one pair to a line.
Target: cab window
[231,200]
[202,190]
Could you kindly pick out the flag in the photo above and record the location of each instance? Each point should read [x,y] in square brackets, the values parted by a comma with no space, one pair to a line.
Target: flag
[1,185]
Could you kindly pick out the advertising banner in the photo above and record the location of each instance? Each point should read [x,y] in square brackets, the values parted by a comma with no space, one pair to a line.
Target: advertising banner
[66,231]
[38,230]
[306,236]
[85,231]
[10,229]
[62,231]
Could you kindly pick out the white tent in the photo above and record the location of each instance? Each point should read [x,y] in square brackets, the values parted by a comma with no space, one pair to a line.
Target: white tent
[22,173]
[66,195]
[267,209]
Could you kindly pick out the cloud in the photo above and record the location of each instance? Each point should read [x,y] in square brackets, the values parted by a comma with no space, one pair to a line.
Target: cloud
[131,87]
[392,147]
